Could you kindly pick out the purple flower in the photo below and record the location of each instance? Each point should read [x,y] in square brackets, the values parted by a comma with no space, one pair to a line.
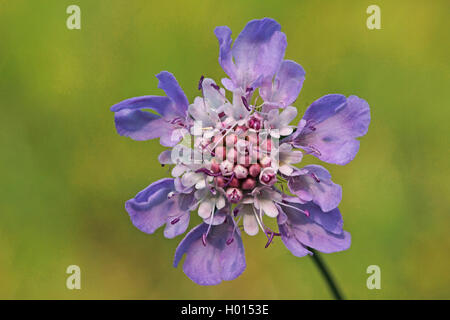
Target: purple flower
[232,161]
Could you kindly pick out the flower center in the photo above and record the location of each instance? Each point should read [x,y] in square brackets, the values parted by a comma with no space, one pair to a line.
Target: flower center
[241,158]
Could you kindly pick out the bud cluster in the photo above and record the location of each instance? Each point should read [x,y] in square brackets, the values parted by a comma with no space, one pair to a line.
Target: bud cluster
[241,158]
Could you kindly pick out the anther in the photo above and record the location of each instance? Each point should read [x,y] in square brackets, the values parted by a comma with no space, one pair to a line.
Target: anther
[204,239]
[174,220]
[230,241]
[245,102]
[200,82]
[207,172]
[314,150]
[215,86]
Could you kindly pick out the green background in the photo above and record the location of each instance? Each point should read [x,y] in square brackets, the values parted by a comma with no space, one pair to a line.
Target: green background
[66,173]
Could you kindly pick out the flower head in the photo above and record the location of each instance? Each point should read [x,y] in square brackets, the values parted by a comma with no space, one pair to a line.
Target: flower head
[233,159]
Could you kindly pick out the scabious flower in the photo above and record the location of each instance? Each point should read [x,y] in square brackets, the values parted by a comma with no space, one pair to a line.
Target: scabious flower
[234,153]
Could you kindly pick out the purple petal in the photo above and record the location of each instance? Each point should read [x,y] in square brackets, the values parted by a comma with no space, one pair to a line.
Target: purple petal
[223,34]
[153,207]
[138,125]
[134,122]
[298,227]
[177,225]
[215,262]
[314,184]
[168,133]
[162,105]
[169,84]
[332,124]
[187,201]
[286,86]
[291,243]
[258,52]
[288,238]
[165,157]
[219,217]
[331,221]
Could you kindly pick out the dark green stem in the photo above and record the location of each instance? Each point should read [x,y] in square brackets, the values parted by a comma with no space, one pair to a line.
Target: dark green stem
[326,274]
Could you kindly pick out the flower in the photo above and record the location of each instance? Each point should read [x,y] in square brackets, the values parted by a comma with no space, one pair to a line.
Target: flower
[234,160]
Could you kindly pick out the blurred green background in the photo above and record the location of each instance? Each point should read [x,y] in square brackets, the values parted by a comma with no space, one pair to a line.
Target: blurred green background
[66,173]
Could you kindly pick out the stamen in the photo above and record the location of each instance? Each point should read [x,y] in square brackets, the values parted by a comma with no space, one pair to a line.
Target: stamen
[235,211]
[314,150]
[177,121]
[305,212]
[244,101]
[210,224]
[207,172]
[272,235]
[315,177]
[270,240]
[260,221]
[177,219]
[215,86]
[229,180]
[200,82]
[170,195]
[231,239]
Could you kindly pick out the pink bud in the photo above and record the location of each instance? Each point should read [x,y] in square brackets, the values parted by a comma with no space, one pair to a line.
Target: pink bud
[248,184]
[232,155]
[267,145]
[226,167]
[244,161]
[242,146]
[230,140]
[255,122]
[240,172]
[217,138]
[234,195]
[220,153]
[254,170]
[268,177]
[234,183]
[253,138]
[241,129]
[220,181]
[215,166]
[265,162]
